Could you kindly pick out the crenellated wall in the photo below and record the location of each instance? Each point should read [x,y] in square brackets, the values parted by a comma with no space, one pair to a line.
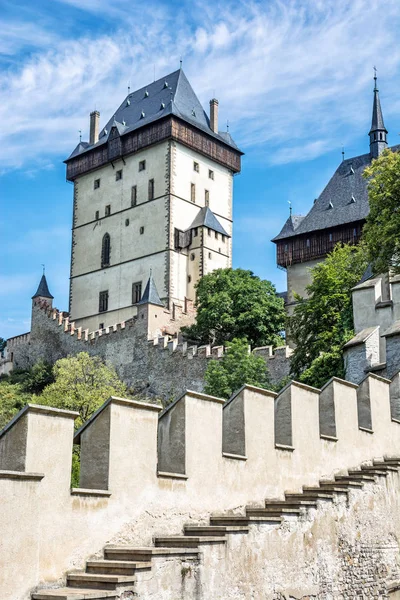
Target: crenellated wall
[146,473]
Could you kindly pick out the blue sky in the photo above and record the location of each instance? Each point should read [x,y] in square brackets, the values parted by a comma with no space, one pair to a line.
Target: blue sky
[293,77]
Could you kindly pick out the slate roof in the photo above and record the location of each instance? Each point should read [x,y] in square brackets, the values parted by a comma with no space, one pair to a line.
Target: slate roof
[206,218]
[43,289]
[150,295]
[344,200]
[169,95]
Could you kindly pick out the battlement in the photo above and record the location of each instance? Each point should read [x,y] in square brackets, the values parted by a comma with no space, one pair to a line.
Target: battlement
[143,466]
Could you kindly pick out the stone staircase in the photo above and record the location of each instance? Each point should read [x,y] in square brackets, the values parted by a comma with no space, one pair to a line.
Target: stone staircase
[116,572]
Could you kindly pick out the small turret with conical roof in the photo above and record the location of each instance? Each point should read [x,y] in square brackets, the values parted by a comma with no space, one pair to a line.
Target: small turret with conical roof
[43,292]
[378,131]
[151,310]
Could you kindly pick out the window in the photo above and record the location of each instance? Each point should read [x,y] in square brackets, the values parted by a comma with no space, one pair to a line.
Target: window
[101,325]
[189,278]
[107,211]
[133,195]
[195,232]
[380,136]
[354,232]
[96,184]
[209,255]
[103,301]
[216,235]
[308,243]
[223,239]
[126,222]
[210,174]
[206,197]
[330,237]
[118,175]
[151,189]
[219,250]
[193,192]
[136,292]
[192,256]
[209,231]
[105,250]
[196,167]
[286,247]
[141,230]
[142,165]
[97,215]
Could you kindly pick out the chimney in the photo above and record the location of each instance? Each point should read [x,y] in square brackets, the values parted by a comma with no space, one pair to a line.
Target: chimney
[94,127]
[214,115]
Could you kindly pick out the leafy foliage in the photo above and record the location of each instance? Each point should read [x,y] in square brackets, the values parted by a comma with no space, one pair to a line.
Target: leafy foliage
[381,231]
[234,303]
[82,383]
[12,399]
[322,324]
[237,367]
[3,344]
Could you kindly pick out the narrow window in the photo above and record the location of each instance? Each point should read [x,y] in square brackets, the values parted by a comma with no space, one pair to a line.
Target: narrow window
[196,167]
[216,235]
[136,292]
[107,211]
[330,237]
[142,165]
[96,184]
[286,247]
[101,325]
[105,250]
[354,232]
[206,197]
[151,189]
[209,231]
[192,257]
[308,243]
[97,215]
[209,255]
[195,232]
[133,195]
[210,174]
[380,136]
[193,192]
[126,222]
[103,301]
[141,230]
[223,239]
[189,278]
[118,175]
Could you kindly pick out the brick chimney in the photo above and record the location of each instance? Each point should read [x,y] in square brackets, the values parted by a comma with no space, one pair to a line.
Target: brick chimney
[94,127]
[214,115]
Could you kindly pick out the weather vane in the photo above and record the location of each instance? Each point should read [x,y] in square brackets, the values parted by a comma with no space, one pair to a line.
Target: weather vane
[227,126]
[290,207]
[180,62]
[43,268]
[342,153]
[80,135]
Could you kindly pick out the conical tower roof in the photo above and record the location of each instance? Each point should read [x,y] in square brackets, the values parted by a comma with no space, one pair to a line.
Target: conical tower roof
[377,123]
[43,289]
[150,295]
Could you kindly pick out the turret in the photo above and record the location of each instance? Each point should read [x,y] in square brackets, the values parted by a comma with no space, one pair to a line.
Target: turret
[43,292]
[151,310]
[378,131]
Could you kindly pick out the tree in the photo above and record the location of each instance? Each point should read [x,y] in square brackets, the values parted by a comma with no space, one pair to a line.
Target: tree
[12,399]
[234,303]
[322,323]
[3,344]
[82,383]
[381,231]
[237,367]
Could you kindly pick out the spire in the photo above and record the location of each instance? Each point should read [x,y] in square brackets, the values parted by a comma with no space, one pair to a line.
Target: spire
[378,131]
[150,295]
[43,289]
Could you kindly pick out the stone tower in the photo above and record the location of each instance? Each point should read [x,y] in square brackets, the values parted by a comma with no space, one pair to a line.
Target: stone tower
[152,191]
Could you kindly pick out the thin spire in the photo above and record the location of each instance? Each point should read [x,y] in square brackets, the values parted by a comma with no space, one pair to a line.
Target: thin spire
[290,208]
[378,131]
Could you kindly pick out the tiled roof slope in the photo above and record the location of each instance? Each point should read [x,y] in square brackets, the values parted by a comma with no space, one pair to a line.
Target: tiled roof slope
[150,295]
[170,95]
[344,200]
[206,218]
[43,289]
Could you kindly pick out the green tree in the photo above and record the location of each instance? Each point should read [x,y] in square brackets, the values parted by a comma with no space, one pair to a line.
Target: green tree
[38,377]
[321,324]
[237,367]
[12,399]
[234,303]
[81,383]
[3,344]
[381,231]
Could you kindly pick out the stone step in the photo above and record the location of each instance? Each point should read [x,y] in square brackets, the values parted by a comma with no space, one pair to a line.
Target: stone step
[254,511]
[373,470]
[349,484]
[365,474]
[74,594]
[244,520]
[213,529]
[388,467]
[328,488]
[320,495]
[116,567]
[99,581]
[356,476]
[145,553]
[392,460]
[290,503]
[185,541]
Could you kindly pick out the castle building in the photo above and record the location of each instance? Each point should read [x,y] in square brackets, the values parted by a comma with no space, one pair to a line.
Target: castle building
[152,192]
[337,215]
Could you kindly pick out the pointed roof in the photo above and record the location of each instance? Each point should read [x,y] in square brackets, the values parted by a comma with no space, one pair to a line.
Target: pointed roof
[43,289]
[206,218]
[150,295]
[289,227]
[377,123]
[169,95]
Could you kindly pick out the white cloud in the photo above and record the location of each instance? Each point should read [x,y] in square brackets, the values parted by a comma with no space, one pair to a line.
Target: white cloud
[293,77]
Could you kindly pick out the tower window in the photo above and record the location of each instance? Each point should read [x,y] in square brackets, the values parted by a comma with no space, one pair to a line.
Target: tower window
[118,175]
[107,211]
[206,197]
[189,278]
[330,237]
[97,215]
[308,243]
[103,301]
[196,167]
[223,239]
[151,189]
[141,230]
[142,165]
[381,136]
[374,137]
[96,184]
[286,247]
[193,192]
[210,174]
[195,232]
[136,292]
[209,231]
[216,235]
[354,232]
[105,250]
[209,255]
[126,222]
[192,257]
[133,195]
[101,325]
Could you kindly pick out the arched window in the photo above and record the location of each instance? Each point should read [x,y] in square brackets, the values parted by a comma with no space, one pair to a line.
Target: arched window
[105,250]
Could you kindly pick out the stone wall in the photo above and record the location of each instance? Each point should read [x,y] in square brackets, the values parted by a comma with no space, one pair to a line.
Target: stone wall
[345,546]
